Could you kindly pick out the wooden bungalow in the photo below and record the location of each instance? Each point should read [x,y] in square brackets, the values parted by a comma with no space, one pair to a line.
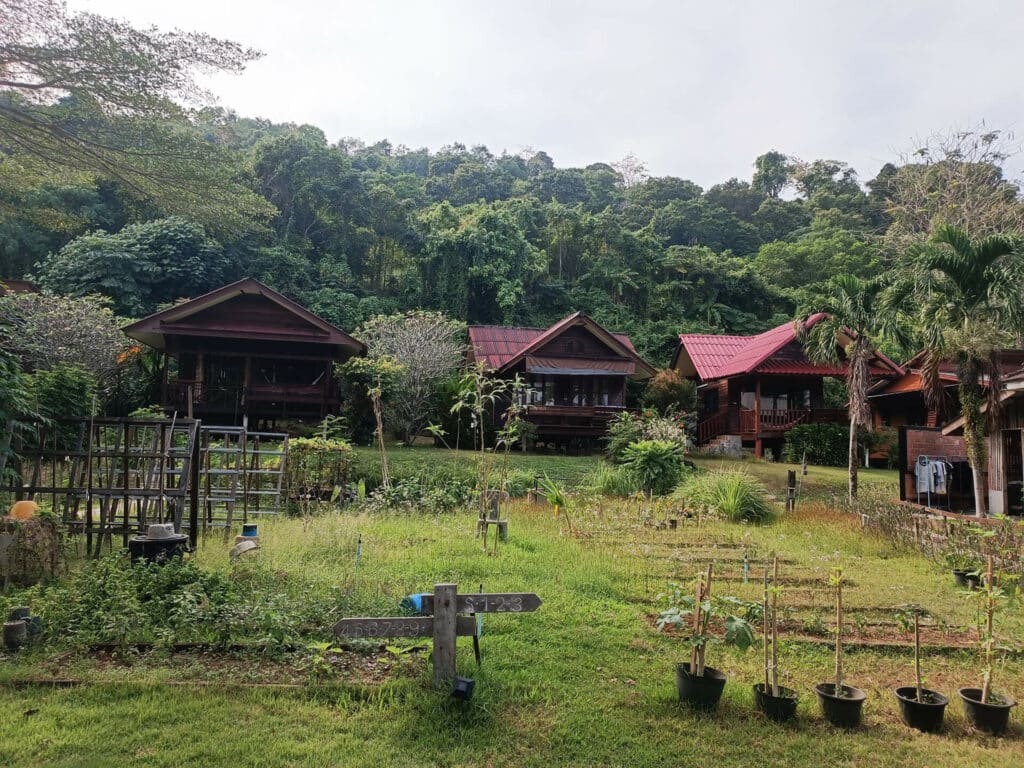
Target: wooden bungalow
[246,350]
[754,389]
[576,373]
[16,286]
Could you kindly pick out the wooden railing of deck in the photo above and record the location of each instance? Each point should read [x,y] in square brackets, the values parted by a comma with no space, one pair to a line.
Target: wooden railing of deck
[744,421]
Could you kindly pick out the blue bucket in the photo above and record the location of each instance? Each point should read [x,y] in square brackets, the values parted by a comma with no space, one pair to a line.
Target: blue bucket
[414,603]
[249,529]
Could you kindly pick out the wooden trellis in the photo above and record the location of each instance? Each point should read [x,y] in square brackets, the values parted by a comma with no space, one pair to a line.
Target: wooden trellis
[108,477]
[241,475]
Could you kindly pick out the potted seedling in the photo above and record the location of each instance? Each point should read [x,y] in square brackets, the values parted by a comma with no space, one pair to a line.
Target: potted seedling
[699,685]
[920,708]
[965,567]
[985,710]
[840,704]
[776,701]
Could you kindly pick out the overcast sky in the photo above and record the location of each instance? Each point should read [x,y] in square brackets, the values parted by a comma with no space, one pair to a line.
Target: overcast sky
[694,89]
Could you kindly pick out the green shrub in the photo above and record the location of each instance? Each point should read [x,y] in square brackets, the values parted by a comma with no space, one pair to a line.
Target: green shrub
[610,480]
[628,428]
[112,601]
[519,483]
[668,392]
[654,465]
[622,431]
[826,445]
[317,466]
[63,392]
[421,494]
[733,494]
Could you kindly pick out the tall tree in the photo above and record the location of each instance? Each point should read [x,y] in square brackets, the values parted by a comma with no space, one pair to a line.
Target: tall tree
[955,178]
[84,95]
[970,306]
[771,173]
[856,321]
[429,347]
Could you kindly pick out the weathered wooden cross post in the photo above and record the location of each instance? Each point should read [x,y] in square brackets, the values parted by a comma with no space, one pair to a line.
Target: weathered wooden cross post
[791,490]
[443,619]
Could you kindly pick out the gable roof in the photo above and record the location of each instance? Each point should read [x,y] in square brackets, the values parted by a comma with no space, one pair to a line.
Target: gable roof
[152,330]
[718,357]
[501,347]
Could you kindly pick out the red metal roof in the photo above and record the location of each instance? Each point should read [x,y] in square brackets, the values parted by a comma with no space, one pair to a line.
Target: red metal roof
[717,357]
[709,353]
[498,345]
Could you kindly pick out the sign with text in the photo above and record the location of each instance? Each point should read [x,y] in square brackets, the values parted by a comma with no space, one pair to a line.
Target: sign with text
[446,622]
[493,602]
[400,626]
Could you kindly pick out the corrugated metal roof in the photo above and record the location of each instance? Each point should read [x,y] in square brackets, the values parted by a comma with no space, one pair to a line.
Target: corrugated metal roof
[709,352]
[495,345]
[718,357]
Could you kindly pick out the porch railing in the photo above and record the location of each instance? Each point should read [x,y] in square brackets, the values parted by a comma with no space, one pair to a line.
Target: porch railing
[744,421]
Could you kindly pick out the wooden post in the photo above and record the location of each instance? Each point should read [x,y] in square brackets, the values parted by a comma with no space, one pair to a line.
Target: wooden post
[444,634]
[791,490]
[775,628]
[193,490]
[758,448]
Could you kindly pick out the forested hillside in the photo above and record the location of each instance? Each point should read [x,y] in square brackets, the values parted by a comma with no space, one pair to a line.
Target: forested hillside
[108,186]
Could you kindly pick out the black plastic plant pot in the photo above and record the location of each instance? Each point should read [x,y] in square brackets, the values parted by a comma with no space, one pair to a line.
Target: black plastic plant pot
[462,688]
[925,715]
[19,613]
[992,717]
[843,711]
[778,708]
[703,692]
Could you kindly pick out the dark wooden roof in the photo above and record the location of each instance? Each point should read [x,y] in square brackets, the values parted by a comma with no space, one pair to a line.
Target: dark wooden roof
[501,348]
[247,310]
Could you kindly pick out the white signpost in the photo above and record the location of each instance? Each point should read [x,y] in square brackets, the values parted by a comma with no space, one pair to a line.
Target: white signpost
[444,625]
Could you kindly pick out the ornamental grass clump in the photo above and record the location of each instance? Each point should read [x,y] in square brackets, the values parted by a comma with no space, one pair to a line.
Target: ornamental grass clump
[735,495]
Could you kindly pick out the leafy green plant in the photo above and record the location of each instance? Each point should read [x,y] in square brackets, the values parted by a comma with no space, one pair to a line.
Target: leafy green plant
[611,480]
[656,466]
[734,494]
[909,616]
[992,599]
[699,609]
[826,445]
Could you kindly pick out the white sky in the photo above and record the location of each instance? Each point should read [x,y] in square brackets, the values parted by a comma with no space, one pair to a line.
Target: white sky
[695,89]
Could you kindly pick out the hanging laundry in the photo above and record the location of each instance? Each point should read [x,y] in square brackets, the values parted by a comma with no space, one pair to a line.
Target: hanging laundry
[923,473]
[939,477]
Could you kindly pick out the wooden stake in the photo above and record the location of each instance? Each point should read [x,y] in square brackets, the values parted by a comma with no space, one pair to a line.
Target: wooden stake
[837,691]
[986,686]
[764,630]
[775,629]
[917,651]
[696,623]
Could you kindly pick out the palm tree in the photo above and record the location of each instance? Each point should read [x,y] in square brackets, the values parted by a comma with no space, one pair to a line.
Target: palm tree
[855,321]
[969,305]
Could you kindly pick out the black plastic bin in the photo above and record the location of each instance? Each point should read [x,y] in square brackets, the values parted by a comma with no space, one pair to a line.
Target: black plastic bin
[159,550]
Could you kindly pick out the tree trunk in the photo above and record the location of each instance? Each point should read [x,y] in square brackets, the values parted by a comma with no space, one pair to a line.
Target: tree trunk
[980,491]
[978,458]
[854,459]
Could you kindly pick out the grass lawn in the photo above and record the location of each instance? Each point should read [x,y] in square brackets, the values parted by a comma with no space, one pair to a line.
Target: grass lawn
[584,681]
